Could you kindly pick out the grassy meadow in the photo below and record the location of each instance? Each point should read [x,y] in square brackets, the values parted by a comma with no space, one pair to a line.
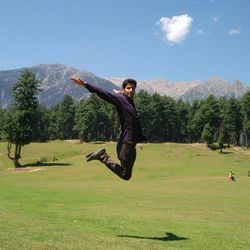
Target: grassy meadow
[178,198]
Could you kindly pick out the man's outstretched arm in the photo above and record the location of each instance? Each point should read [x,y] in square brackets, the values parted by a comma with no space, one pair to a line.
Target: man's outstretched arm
[78,81]
[102,93]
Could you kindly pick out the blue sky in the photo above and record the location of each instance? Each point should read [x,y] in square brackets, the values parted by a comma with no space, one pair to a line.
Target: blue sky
[177,40]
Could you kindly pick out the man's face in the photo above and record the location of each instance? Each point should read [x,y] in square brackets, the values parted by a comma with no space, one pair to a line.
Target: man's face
[129,90]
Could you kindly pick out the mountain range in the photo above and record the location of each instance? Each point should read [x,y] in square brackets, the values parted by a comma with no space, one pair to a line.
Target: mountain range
[56,84]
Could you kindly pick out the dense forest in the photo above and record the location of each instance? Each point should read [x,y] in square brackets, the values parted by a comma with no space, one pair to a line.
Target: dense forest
[212,120]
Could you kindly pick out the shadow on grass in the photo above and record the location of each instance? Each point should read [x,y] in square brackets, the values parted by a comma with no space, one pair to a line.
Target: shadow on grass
[45,164]
[168,237]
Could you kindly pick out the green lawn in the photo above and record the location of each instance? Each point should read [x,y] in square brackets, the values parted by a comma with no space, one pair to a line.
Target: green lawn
[178,198]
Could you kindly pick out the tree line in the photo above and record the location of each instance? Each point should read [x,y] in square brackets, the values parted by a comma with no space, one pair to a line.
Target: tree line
[215,121]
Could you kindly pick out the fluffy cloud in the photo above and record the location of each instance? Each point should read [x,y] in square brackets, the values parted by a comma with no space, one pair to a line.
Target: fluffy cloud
[215,19]
[201,32]
[175,29]
[235,31]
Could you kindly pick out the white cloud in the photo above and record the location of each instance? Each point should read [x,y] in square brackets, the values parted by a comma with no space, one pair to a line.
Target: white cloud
[215,19]
[201,32]
[234,31]
[175,29]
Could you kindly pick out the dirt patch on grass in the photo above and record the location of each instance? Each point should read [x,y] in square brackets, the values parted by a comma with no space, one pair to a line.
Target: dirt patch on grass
[242,150]
[74,141]
[27,169]
[199,145]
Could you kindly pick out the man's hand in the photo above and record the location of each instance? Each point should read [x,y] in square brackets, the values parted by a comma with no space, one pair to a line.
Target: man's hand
[78,81]
[116,91]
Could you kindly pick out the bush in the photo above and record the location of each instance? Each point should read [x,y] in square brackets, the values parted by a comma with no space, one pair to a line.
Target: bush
[41,160]
[214,146]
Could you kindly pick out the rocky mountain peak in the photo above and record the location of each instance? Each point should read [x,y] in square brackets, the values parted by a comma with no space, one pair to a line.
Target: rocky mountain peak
[56,84]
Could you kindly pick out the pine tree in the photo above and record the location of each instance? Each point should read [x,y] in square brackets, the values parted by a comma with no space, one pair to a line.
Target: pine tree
[66,117]
[1,122]
[207,113]
[208,134]
[143,103]
[246,114]
[19,124]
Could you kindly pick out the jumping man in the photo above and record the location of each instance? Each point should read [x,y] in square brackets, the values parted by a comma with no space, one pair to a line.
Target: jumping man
[131,132]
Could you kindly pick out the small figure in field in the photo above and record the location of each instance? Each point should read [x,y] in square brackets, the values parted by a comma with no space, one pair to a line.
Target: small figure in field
[131,133]
[231,176]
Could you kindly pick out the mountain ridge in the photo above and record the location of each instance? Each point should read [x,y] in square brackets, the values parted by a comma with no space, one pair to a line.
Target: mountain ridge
[56,84]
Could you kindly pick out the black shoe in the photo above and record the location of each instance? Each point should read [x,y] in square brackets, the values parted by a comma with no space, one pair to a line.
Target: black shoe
[88,155]
[96,155]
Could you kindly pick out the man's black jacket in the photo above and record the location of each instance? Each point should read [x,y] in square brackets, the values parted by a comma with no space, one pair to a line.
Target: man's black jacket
[130,124]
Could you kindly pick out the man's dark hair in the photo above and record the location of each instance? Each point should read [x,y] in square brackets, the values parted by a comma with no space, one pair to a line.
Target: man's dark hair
[129,81]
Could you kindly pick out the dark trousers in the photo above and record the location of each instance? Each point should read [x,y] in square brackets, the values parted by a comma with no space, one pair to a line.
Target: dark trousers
[126,153]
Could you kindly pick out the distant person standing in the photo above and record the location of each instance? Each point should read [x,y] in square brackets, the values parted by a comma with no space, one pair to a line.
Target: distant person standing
[131,132]
[231,176]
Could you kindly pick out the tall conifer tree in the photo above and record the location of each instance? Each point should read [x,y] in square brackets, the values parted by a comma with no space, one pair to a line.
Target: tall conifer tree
[20,122]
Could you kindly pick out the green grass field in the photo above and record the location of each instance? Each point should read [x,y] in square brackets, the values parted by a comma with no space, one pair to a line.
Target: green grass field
[178,198]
